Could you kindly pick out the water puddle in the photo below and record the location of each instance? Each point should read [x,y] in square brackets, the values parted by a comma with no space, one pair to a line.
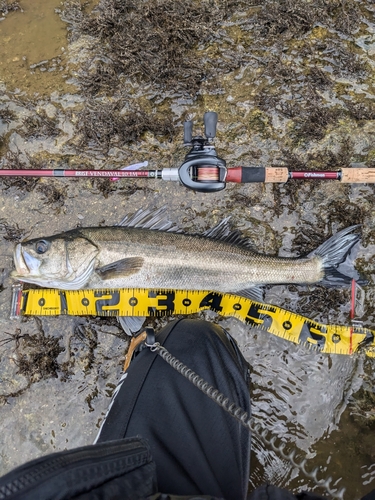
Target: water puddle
[33,41]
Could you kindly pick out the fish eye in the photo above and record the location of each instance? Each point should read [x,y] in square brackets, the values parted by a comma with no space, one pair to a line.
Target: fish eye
[41,246]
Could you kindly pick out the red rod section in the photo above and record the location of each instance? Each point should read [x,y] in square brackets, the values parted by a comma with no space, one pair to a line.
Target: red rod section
[234,174]
[314,175]
[77,173]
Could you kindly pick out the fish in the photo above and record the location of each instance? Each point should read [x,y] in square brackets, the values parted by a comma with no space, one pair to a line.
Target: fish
[147,250]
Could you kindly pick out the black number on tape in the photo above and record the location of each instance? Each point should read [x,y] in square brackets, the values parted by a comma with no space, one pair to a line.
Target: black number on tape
[113,300]
[213,301]
[165,302]
[317,338]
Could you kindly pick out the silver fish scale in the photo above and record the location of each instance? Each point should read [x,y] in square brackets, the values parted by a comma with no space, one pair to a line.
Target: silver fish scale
[174,260]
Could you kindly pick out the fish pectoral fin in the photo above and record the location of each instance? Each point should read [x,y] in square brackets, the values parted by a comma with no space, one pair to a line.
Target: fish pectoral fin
[131,324]
[120,268]
[254,293]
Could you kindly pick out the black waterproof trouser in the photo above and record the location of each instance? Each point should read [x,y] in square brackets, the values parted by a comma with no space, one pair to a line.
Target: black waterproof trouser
[197,447]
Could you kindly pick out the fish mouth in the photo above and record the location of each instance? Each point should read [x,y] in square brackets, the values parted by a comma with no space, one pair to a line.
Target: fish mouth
[19,262]
[25,264]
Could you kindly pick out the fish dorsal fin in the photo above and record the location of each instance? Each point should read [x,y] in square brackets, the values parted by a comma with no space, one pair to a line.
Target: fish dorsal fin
[159,221]
[223,232]
[148,219]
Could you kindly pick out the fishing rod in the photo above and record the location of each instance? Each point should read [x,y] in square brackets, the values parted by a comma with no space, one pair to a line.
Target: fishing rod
[202,169]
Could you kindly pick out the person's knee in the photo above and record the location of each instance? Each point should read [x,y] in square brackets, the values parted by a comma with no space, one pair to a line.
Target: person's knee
[189,335]
[193,332]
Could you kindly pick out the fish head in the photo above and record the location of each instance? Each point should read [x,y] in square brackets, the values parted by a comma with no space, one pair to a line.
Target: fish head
[63,261]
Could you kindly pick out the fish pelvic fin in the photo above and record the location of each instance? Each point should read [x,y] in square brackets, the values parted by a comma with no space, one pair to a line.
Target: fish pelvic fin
[131,324]
[338,265]
[120,268]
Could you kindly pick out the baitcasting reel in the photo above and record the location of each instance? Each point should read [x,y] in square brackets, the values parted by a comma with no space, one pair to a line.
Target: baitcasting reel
[202,169]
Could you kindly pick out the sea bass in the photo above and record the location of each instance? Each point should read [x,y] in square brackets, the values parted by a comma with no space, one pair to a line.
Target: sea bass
[147,251]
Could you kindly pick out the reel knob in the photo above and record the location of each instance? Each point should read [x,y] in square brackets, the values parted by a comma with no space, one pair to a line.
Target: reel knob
[188,132]
[210,122]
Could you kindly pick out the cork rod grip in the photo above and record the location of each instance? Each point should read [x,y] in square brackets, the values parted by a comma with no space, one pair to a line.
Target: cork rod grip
[358,175]
[276,174]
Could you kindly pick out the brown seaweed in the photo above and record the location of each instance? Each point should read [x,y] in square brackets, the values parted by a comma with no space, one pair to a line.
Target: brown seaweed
[153,41]
[103,125]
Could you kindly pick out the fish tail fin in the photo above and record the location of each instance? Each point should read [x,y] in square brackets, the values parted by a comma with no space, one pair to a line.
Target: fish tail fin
[338,264]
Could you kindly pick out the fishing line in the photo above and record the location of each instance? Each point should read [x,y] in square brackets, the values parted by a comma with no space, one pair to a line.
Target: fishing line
[327,339]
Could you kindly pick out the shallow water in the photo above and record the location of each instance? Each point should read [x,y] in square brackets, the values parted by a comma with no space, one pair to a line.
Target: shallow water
[33,40]
[294,96]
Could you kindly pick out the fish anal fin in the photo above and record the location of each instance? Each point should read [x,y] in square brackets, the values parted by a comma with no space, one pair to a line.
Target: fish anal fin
[120,268]
[255,293]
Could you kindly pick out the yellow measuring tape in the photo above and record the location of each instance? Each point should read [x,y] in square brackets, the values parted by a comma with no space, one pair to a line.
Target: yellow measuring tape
[332,339]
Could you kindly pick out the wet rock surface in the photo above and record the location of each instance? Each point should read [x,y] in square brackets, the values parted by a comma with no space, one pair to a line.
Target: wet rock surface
[293,86]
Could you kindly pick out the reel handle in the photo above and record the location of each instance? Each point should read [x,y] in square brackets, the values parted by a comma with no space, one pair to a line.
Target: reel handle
[188,132]
[210,122]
